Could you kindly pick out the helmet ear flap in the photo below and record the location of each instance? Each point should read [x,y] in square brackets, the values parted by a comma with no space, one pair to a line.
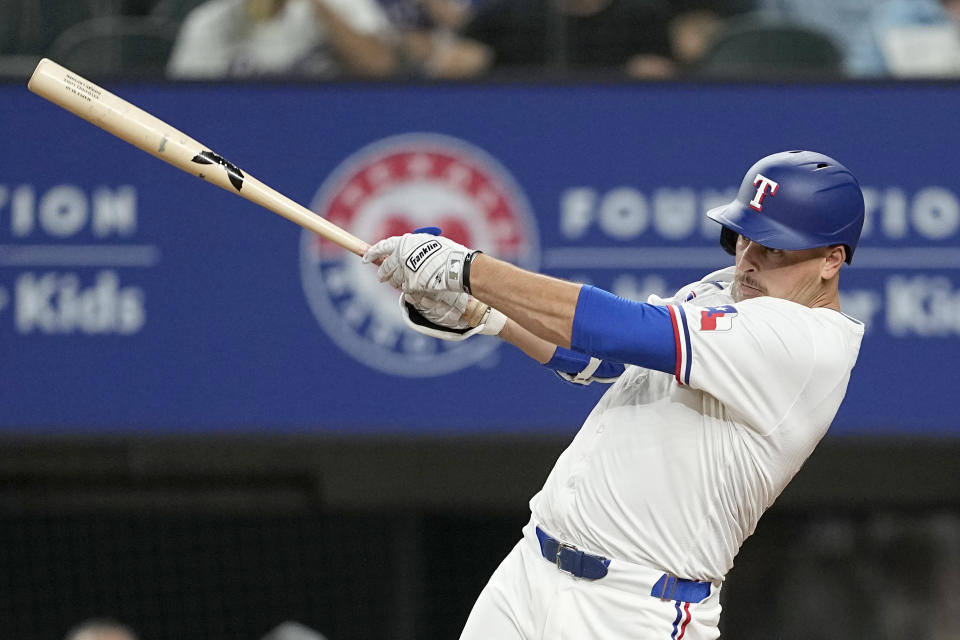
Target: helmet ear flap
[728,240]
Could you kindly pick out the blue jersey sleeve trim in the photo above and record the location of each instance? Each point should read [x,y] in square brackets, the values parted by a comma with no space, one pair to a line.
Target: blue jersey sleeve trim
[609,369]
[567,361]
[610,327]
[573,363]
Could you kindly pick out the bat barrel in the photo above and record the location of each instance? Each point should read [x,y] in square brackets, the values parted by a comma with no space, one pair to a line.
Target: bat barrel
[148,133]
[115,115]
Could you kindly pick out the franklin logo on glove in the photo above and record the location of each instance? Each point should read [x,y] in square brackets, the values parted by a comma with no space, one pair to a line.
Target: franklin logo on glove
[421,253]
[420,262]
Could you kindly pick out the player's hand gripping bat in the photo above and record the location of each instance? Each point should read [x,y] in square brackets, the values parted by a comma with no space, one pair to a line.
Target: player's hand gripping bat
[115,115]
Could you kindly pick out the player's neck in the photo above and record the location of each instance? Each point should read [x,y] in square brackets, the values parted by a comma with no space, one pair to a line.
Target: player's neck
[828,297]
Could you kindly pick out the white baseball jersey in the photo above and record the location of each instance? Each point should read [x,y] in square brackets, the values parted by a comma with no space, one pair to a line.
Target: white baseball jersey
[673,471]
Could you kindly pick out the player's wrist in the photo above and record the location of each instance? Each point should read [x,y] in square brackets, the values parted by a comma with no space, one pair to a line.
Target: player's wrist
[440,316]
[492,323]
[466,269]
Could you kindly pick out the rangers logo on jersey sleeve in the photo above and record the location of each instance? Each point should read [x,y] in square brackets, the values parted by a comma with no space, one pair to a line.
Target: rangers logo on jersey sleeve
[717,318]
[711,319]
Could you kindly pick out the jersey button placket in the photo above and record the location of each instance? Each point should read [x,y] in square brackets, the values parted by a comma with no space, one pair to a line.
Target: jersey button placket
[583,461]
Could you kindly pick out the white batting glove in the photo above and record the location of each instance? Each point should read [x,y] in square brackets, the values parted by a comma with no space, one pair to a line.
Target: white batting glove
[421,262]
[444,308]
[441,316]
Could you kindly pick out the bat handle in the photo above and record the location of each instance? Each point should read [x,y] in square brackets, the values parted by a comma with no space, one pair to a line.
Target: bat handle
[360,249]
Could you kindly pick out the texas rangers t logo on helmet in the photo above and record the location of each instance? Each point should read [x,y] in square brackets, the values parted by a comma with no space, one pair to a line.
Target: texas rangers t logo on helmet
[764,183]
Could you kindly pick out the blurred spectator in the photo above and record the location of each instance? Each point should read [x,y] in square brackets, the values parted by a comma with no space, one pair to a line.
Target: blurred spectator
[571,35]
[695,23]
[101,629]
[443,14]
[691,33]
[430,44]
[289,38]
[759,47]
[913,38]
[453,14]
[845,21]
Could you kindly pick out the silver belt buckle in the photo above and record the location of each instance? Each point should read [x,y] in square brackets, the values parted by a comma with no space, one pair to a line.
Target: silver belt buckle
[560,547]
[667,585]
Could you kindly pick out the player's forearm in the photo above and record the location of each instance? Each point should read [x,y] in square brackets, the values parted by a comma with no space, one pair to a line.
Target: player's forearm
[535,347]
[542,305]
[362,53]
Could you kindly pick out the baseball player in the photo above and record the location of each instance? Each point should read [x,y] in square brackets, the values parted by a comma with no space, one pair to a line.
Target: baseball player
[721,393]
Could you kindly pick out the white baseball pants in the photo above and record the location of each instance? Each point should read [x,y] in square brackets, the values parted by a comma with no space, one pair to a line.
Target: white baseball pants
[529,598]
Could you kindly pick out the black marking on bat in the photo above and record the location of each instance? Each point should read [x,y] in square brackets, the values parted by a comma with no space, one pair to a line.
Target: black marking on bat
[233,171]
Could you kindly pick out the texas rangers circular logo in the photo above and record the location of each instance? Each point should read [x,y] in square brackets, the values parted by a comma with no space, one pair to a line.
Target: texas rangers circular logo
[392,187]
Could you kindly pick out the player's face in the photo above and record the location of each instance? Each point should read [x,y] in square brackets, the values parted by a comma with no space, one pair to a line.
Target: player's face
[791,275]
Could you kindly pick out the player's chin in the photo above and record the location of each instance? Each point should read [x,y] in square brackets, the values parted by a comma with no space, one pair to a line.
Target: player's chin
[741,292]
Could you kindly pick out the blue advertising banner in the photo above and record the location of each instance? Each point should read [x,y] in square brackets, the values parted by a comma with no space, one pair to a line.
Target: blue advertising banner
[135,298]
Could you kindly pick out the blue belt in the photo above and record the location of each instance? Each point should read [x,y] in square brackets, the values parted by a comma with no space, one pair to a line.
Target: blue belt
[570,559]
[670,587]
[586,565]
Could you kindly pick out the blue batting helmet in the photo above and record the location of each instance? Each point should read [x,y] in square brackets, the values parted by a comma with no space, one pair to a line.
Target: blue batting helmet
[794,200]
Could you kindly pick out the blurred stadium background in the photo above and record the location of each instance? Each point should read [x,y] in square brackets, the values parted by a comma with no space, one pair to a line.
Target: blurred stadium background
[211,424]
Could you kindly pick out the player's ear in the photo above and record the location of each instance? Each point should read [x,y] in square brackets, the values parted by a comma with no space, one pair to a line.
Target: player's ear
[833,260]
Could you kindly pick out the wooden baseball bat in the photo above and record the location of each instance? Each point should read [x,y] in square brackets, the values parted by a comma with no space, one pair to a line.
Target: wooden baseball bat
[115,115]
